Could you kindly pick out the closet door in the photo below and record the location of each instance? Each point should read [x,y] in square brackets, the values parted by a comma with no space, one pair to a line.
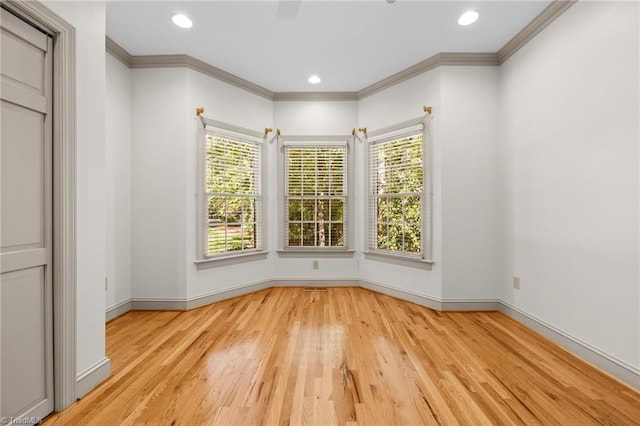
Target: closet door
[26,333]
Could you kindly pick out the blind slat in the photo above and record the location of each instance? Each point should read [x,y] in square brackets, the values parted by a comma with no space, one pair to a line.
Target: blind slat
[232,193]
[315,195]
[396,183]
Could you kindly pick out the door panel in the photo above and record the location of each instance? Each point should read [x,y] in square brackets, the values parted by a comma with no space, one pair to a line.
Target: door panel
[26,287]
[23,291]
[22,177]
[21,39]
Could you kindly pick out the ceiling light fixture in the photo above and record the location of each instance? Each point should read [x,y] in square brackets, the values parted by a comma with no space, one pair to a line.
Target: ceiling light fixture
[182,21]
[314,79]
[468,17]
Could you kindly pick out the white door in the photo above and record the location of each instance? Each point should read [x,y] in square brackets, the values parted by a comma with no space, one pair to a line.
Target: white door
[26,336]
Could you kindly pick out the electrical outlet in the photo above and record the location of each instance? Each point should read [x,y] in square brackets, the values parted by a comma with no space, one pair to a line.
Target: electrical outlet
[516,282]
[316,264]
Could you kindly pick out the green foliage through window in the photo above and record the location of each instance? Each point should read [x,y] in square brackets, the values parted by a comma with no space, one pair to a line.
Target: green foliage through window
[315,195]
[233,194]
[395,198]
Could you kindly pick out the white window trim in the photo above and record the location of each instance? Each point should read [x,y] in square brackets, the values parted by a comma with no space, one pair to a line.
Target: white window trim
[230,259]
[324,252]
[316,252]
[424,259]
[223,259]
[398,259]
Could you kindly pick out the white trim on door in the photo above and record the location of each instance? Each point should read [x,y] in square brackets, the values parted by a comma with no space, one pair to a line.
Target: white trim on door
[64,204]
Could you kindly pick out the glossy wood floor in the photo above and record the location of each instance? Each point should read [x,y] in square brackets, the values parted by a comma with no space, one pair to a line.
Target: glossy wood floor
[341,356]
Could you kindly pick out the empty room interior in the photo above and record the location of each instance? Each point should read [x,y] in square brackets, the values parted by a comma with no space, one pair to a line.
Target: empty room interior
[320,212]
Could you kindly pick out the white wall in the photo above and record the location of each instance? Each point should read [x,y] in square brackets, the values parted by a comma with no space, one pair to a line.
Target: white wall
[159,144]
[333,118]
[315,117]
[535,174]
[569,108]
[396,104]
[229,104]
[163,180]
[88,18]
[468,140]
[118,181]
[464,172]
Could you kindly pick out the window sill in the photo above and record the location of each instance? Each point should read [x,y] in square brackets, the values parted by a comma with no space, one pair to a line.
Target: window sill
[399,260]
[315,253]
[231,259]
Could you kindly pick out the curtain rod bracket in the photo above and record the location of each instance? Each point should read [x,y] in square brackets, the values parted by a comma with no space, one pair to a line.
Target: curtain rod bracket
[276,136]
[427,109]
[199,112]
[355,135]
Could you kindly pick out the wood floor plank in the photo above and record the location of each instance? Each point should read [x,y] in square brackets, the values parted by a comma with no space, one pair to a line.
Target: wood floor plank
[343,356]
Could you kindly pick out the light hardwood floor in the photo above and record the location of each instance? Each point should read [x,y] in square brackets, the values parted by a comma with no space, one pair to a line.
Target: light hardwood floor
[341,356]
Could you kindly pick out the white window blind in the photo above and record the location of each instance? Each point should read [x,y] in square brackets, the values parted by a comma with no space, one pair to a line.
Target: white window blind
[396,193]
[232,193]
[315,195]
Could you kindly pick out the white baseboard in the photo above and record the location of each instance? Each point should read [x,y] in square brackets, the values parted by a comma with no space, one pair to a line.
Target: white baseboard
[462,305]
[314,282]
[119,309]
[92,377]
[419,299]
[444,305]
[622,371]
[153,304]
[217,296]
[228,293]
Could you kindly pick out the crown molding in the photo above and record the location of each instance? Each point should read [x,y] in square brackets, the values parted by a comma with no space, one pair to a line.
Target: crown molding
[437,60]
[468,59]
[315,96]
[412,71]
[118,52]
[540,22]
[175,61]
[159,61]
[203,67]
[546,17]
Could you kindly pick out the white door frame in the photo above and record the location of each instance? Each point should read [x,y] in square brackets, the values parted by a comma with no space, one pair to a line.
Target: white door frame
[64,197]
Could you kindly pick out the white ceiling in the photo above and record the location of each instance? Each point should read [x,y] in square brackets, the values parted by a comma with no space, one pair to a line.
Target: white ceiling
[350,44]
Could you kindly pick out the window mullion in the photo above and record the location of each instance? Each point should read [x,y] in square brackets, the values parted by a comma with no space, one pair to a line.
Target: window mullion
[232,179]
[316,186]
[396,175]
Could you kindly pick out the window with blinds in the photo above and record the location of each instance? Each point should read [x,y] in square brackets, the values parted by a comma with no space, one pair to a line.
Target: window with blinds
[315,196]
[396,182]
[232,194]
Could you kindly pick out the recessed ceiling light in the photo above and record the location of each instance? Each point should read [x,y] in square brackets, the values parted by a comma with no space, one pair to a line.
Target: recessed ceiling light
[314,79]
[182,21]
[468,18]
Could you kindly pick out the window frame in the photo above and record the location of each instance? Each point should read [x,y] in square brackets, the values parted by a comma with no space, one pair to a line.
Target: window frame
[345,141]
[424,257]
[206,126]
